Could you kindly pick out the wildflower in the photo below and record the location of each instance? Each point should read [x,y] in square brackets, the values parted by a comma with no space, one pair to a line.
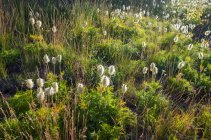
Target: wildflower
[163,72]
[155,71]
[30,13]
[207,33]
[128,8]
[100,70]
[40,95]
[55,86]
[190,46]
[29,83]
[40,82]
[49,91]
[200,55]
[37,14]
[46,59]
[32,21]
[98,10]
[176,39]
[143,45]
[124,88]
[145,69]
[152,66]
[206,45]
[104,33]
[123,7]
[111,70]
[181,65]
[105,81]
[54,60]
[106,13]
[38,23]
[59,58]
[80,88]
[54,29]
[202,44]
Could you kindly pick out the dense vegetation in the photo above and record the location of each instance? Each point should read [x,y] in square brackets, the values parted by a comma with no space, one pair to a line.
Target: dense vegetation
[105,70]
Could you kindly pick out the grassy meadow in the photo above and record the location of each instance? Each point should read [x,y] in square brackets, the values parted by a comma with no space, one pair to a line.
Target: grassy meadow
[105,70]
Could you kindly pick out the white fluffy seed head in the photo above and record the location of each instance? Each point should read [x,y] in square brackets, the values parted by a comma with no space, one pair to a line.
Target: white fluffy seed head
[55,86]
[40,95]
[29,83]
[176,39]
[80,88]
[111,70]
[190,46]
[54,29]
[152,66]
[38,23]
[200,55]
[181,65]
[46,59]
[100,70]
[40,82]
[32,21]
[143,44]
[59,58]
[207,33]
[105,81]
[54,60]
[155,71]
[145,69]
[124,88]
[49,91]
[107,13]
[104,33]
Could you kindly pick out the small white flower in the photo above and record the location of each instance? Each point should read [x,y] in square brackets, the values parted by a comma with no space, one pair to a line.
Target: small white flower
[29,83]
[38,23]
[40,82]
[54,60]
[40,95]
[55,86]
[181,65]
[59,58]
[100,70]
[54,29]
[80,88]
[105,81]
[111,70]
[176,39]
[49,91]
[145,69]
[200,55]
[46,59]
[32,21]
[124,88]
